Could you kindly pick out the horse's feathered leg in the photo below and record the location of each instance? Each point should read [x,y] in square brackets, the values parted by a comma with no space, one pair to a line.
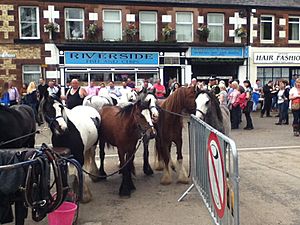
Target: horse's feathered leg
[125,189]
[166,179]
[158,161]
[102,157]
[147,168]
[182,174]
[94,170]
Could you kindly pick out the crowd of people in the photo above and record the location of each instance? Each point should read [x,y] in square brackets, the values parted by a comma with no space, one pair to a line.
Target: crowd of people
[240,98]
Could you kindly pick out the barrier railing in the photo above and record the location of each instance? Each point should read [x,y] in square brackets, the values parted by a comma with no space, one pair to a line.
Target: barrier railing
[214,170]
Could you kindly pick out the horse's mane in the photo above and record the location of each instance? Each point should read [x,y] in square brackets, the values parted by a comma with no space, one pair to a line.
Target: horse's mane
[175,101]
[125,111]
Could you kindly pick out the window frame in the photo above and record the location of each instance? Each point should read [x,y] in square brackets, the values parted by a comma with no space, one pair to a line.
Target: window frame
[31,72]
[76,20]
[294,41]
[273,30]
[216,24]
[147,22]
[37,22]
[185,23]
[112,21]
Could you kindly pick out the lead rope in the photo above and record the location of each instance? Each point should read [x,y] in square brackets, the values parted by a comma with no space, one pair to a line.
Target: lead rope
[19,138]
[125,164]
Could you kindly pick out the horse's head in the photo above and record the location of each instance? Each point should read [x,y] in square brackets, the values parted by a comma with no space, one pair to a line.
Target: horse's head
[150,97]
[131,96]
[202,104]
[188,98]
[142,117]
[54,114]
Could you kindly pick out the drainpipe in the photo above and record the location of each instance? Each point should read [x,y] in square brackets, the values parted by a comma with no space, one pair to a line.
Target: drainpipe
[248,10]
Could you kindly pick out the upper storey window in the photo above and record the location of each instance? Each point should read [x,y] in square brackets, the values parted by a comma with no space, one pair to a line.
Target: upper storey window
[29,22]
[267,29]
[184,27]
[74,23]
[215,23]
[148,26]
[112,25]
[294,29]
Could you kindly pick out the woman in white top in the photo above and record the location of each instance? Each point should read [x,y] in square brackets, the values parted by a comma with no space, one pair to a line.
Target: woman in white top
[295,96]
[283,103]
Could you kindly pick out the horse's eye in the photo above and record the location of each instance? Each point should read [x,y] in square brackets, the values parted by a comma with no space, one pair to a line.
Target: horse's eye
[206,103]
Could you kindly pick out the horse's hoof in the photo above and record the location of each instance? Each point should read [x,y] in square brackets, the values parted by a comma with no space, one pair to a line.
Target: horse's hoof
[148,171]
[166,180]
[86,198]
[183,180]
[159,166]
[124,192]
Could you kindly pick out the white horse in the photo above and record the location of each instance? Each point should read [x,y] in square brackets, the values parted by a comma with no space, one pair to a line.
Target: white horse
[98,102]
[210,111]
[76,129]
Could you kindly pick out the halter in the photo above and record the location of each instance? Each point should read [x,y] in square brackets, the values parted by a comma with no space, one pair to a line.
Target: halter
[52,119]
[203,114]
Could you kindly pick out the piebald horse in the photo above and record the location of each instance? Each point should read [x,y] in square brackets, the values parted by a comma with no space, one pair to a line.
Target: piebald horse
[76,129]
[210,111]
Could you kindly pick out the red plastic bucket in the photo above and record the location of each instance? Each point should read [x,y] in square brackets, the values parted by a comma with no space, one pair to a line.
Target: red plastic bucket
[63,215]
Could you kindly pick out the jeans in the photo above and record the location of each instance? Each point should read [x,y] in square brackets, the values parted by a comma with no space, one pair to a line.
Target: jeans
[296,121]
[267,106]
[249,120]
[235,117]
[283,112]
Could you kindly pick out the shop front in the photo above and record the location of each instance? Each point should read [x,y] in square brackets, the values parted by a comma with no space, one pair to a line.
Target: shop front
[105,66]
[274,63]
[223,62]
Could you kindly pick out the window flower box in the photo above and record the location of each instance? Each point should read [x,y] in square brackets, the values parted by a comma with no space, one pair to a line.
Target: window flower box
[167,32]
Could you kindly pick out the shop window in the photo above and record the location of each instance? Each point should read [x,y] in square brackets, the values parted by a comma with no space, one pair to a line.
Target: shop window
[101,77]
[74,21]
[184,27]
[266,74]
[81,77]
[148,26]
[294,31]
[215,23]
[31,73]
[112,25]
[120,77]
[29,22]
[267,29]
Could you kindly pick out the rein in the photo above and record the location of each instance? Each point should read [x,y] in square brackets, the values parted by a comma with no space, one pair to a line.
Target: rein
[19,138]
[174,113]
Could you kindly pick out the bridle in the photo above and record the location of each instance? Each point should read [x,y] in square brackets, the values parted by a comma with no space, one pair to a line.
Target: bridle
[52,119]
[202,113]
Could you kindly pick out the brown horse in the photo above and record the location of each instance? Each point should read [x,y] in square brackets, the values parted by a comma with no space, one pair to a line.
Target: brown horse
[122,127]
[169,129]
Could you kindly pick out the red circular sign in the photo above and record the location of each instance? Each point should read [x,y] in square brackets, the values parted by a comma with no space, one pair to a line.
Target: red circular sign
[216,174]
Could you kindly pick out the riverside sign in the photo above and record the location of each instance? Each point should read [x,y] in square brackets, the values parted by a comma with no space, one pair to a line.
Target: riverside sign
[280,58]
[111,58]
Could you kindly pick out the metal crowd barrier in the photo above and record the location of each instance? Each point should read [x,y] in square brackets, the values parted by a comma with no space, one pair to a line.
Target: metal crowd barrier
[214,170]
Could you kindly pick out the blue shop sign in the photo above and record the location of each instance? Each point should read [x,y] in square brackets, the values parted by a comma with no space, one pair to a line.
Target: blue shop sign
[229,52]
[111,58]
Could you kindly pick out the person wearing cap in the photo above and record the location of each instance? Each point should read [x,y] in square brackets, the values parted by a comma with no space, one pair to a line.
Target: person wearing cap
[213,85]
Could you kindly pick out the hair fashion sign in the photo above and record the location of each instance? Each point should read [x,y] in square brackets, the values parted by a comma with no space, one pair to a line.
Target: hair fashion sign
[280,58]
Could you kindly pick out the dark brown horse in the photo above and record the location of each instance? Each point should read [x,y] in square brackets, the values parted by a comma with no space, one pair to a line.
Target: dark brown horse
[169,129]
[122,127]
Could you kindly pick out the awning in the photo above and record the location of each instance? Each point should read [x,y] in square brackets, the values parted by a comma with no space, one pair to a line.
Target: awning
[216,61]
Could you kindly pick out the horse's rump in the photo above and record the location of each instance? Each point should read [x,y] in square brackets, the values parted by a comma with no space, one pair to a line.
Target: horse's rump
[15,122]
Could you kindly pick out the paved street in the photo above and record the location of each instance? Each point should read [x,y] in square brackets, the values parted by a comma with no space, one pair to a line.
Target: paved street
[269,165]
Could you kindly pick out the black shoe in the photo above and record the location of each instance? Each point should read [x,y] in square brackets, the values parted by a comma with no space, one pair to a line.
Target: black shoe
[261,116]
[285,123]
[277,116]
[296,133]
[278,123]
[269,116]
[248,128]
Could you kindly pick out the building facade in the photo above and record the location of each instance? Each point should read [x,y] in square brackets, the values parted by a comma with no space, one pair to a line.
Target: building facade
[114,40]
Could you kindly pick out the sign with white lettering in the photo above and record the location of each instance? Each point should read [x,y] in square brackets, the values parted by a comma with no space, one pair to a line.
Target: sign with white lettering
[280,58]
[111,58]
[7,55]
[219,52]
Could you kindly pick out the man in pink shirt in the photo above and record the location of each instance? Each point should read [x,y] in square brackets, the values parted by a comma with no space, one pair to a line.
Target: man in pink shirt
[160,89]
[92,89]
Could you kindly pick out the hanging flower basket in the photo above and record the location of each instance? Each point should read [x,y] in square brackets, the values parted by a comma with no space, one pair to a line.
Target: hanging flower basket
[241,32]
[52,27]
[167,32]
[130,31]
[203,32]
[93,30]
